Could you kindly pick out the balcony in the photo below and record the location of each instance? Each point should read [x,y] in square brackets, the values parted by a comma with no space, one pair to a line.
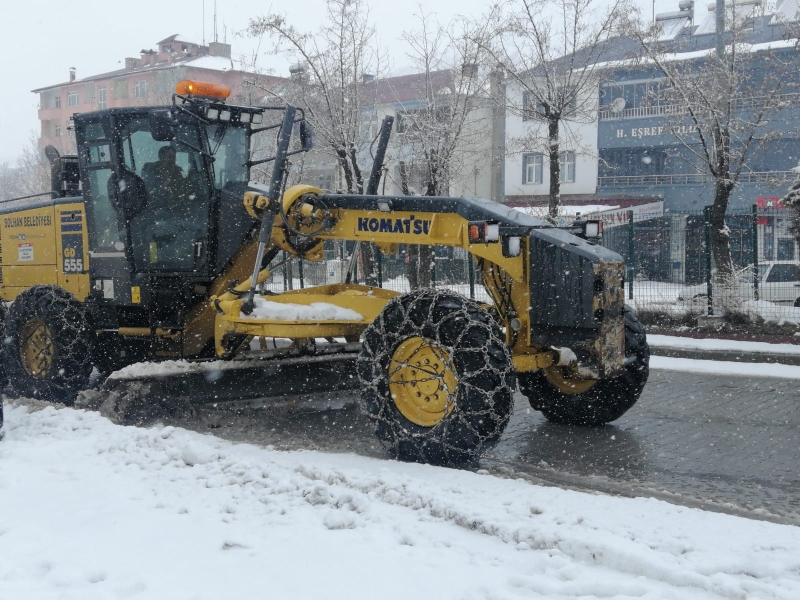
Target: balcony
[692,179]
[783,101]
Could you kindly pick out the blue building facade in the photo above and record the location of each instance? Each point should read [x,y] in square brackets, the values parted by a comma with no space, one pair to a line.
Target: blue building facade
[638,154]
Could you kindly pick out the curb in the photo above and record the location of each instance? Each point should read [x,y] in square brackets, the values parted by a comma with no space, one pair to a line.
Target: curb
[727,355]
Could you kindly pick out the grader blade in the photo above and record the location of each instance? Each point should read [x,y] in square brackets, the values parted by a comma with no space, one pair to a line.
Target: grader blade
[151,391]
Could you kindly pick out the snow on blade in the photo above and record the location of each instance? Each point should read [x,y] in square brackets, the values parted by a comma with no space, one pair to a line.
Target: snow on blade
[316,311]
[90,510]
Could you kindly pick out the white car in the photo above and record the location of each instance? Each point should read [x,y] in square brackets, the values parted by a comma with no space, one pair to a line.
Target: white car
[778,281]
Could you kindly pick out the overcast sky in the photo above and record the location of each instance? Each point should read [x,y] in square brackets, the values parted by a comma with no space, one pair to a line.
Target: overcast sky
[42,39]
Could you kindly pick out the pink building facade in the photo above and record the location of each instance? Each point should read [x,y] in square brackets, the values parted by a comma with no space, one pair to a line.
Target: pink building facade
[145,81]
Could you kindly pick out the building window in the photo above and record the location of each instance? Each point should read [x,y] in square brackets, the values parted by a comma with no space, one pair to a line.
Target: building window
[566,161]
[101,97]
[641,94]
[57,102]
[140,88]
[532,168]
[72,99]
[57,131]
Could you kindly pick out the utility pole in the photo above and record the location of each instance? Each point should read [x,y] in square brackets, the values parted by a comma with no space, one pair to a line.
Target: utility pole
[498,156]
[720,28]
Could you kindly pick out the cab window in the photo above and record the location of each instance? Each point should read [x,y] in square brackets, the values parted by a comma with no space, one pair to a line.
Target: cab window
[230,143]
[169,230]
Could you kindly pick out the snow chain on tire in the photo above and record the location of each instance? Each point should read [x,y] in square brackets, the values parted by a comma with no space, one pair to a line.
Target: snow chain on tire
[3,376]
[606,400]
[48,347]
[471,377]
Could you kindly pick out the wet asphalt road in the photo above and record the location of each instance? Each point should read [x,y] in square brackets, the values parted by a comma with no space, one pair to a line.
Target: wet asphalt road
[722,443]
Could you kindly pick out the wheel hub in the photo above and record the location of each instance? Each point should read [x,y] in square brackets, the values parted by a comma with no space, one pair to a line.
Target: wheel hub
[566,380]
[422,381]
[36,348]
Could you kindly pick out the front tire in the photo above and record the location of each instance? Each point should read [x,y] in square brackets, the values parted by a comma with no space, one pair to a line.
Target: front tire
[48,347]
[574,401]
[437,378]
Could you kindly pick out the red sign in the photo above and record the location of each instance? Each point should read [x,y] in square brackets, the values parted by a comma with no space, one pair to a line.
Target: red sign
[769,203]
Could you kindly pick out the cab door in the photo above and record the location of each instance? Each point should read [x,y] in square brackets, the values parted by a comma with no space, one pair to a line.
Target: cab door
[109,268]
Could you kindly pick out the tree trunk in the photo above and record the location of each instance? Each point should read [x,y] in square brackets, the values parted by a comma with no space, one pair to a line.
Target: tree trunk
[720,235]
[367,249]
[555,168]
[414,271]
[726,294]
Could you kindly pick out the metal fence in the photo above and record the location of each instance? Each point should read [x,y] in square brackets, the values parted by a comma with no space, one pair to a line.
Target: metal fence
[451,268]
[671,269]
[670,266]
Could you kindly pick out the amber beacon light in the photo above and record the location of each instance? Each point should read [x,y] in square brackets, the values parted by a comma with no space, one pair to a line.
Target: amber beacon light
[202,88]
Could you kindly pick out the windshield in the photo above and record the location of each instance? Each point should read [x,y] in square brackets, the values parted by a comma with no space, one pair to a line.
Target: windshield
[170,230]
[229,144]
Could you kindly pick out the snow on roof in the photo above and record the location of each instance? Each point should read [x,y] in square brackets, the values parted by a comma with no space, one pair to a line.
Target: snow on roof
[671,28]
[787,11]
[411,86]
[741,11]
[678,56]
[175,37]
[566,211]
[215,63]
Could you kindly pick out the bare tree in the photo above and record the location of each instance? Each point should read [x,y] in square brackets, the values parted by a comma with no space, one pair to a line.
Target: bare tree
[551,50]
[331,67]
[444,129]
[792,200]
[724,108]
[30,175]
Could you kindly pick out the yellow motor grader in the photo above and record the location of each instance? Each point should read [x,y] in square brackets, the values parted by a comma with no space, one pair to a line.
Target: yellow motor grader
[154,245]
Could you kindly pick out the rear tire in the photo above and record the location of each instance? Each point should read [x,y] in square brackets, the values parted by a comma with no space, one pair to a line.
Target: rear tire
[48,344]
[606,400]
[437,378]
[3,376]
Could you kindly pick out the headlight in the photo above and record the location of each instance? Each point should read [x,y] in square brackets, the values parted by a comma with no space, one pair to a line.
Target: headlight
[257,118]
[244,117]
[225,115]
[212,114]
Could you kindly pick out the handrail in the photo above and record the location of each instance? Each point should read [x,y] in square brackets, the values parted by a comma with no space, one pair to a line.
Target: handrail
[690,179]
[677,109]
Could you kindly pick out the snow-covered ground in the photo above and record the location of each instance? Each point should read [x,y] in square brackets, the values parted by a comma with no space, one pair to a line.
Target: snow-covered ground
[92,510]
[725,367]
[687,343]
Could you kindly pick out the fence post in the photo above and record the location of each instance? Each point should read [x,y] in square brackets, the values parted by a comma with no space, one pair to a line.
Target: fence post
[755,251]
[471,268]
[709,287]
[285,274]
[380,267]
[433,266]
[630,255]
[300,273]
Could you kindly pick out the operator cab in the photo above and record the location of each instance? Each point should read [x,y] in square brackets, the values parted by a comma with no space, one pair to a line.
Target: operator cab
[152,192]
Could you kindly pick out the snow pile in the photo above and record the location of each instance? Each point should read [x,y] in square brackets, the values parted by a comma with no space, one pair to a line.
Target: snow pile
[93,510]
[316,311]
[566,211]
[724,367]
[771,312]
[672,341]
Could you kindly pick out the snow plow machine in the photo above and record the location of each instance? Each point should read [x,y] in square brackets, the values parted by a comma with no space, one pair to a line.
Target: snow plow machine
[155,246]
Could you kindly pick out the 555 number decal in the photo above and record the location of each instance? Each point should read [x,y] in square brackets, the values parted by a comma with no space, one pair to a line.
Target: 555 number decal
[72,253]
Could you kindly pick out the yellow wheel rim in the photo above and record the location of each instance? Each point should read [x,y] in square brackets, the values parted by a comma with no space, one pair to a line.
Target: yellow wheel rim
[566,380]
[36,348]
[422,381]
